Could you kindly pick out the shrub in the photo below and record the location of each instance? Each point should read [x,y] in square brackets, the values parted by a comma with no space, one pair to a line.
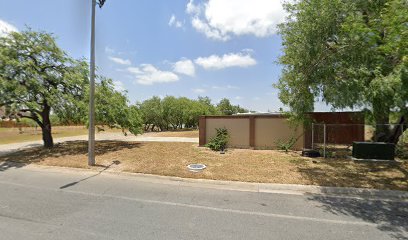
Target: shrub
[401,149]
[219,142]
[286,145]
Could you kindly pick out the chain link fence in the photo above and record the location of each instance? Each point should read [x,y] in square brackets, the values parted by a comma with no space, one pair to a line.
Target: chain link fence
[336,140]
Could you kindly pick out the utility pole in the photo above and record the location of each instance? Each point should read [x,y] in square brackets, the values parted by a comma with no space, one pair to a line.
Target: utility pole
[91,136]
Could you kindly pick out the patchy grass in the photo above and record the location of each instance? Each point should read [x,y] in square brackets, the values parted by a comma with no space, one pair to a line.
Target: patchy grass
[267,166]
[14,135]
[178,133]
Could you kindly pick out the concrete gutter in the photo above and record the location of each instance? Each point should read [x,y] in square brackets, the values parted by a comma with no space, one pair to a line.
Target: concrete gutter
[291,189]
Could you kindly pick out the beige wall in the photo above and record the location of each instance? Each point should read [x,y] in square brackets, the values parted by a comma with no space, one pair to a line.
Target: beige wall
[269,130]
[238,130]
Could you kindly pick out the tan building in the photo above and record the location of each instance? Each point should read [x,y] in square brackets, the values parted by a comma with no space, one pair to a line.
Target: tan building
[263,131]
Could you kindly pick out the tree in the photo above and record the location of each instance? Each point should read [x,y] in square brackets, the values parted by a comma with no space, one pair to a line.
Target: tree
[172,112]
[225,107]
[151,111]
[210,108]
[37,78]
[349,54]
[177,113]
[112,108]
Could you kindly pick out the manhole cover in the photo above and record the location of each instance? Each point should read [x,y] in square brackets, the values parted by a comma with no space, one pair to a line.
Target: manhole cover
[196,167]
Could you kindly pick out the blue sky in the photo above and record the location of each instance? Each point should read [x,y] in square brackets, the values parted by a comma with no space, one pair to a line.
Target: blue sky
[215,48]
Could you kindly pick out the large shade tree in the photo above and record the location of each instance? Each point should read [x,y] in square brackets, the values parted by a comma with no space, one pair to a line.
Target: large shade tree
[349,54]
[37,78]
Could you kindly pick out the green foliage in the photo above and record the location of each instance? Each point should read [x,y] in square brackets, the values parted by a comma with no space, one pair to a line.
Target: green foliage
[219,141]
[226,108]
[287,144]
[38,78]
[112,108]
[346,53]
[36,74]
[26,122]
[177,113]
[401,149]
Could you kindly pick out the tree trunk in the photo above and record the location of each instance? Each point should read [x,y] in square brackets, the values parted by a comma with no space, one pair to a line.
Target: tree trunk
[46,128]
[382,129]
[398,130]
[47,137]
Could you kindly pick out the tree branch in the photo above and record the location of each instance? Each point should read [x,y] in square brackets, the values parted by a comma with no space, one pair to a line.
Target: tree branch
[33,117]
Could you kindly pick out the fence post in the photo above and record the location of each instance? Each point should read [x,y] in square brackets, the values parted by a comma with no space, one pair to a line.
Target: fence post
[324,140]
[313,136]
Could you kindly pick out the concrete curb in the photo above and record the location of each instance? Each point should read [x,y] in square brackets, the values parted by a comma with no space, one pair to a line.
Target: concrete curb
[291,189]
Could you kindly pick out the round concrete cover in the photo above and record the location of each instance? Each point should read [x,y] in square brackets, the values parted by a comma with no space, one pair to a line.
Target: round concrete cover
[196,167]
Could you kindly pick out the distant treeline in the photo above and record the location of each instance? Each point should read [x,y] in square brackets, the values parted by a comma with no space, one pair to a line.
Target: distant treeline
[172,113]
[158,114]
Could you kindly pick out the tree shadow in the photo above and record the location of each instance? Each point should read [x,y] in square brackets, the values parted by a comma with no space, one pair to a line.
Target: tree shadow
[27,156]
[389,216]
[346,173]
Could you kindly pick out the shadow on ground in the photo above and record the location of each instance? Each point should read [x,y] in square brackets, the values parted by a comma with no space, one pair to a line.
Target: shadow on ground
[74,149]
[346,173]
[390,217]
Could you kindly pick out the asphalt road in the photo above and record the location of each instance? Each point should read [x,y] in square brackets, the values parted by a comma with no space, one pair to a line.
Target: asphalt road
[54,204]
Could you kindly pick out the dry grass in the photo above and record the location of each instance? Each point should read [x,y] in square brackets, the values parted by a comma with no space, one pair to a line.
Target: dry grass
[268,166]
[13,135]
[179,133]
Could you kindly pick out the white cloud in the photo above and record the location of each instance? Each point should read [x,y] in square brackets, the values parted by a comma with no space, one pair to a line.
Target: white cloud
[210,32]
[224,88]
[147,74]
[198,90]
[191,8]
[120,61]
[118,86]
[6,28]
[222,19]
[238,97]
[227,60]
[134,70]
[109,50]
[184,66]
[174,22]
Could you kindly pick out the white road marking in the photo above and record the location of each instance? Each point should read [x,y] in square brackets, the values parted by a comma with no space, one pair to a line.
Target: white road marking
[225,210]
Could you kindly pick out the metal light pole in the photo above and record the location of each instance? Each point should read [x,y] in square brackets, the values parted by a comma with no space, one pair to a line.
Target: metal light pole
[91,136]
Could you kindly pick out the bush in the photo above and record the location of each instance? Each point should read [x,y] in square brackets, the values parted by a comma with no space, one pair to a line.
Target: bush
[286,145]
[401,149]
[219,142]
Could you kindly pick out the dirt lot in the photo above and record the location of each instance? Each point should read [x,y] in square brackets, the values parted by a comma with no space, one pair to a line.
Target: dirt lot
[171,159]
[180,133]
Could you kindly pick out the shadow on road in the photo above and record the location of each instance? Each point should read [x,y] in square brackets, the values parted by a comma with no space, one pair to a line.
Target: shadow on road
[84,179]
[390,217]
[7,165]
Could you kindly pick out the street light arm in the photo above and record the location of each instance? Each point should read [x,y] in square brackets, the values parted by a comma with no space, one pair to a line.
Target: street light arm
[101,2]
